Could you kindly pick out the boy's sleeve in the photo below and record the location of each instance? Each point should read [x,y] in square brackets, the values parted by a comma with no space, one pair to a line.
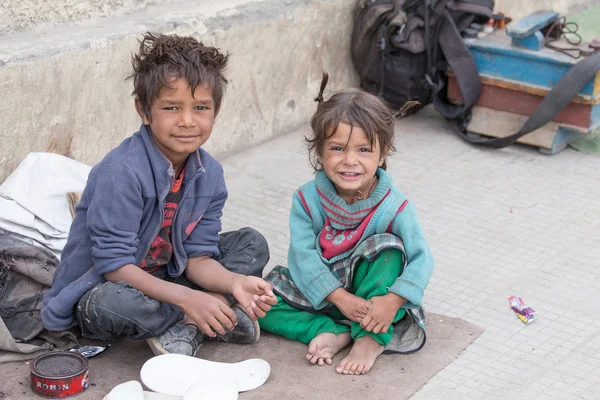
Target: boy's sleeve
[310,274]
[204,238]
[113,218]
[415,277]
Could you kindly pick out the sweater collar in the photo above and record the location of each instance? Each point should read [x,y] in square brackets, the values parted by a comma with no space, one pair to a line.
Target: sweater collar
[337,209]
[164,172]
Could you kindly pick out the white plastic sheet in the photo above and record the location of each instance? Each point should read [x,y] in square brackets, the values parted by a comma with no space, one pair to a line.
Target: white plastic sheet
[33,202]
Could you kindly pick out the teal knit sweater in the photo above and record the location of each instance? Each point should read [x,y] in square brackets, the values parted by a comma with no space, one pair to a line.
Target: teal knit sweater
[325,229]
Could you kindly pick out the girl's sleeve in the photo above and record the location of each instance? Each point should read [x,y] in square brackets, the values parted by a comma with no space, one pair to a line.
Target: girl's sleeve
[415,277]
[309,272]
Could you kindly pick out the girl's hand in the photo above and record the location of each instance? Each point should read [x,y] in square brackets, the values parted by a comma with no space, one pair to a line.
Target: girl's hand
[382,312]
[353,307]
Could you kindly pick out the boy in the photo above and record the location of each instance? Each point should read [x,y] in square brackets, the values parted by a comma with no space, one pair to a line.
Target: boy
[144,257]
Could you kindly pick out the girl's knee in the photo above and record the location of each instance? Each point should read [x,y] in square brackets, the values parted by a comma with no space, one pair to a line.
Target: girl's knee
[392,256]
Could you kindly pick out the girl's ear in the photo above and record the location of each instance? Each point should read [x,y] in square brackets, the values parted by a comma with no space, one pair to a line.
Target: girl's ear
[383,155]
[319,159]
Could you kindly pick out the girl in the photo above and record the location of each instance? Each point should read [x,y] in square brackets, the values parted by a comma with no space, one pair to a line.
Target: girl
[358,260]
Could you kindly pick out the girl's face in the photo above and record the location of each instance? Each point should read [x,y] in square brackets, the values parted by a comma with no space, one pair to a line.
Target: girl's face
[349,161]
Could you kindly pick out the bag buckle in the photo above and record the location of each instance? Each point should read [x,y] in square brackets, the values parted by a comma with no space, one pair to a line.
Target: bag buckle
[428,82]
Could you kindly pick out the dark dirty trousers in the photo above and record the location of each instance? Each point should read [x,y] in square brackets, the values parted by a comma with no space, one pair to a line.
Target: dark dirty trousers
[112,310]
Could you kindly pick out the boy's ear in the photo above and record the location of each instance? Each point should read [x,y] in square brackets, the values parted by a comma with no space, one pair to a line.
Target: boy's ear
[381,161]
[140,111]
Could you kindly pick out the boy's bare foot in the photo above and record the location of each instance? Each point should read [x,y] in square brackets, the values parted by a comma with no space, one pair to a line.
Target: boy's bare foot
[361,358]
[326,345]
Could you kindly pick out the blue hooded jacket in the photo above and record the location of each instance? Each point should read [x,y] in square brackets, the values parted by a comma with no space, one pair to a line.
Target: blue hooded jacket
[120,213]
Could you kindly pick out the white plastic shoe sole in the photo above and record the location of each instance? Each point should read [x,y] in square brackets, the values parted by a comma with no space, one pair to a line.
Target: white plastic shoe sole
[213,389]
[174,374]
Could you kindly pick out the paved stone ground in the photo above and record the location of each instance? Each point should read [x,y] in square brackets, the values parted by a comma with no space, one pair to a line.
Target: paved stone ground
[500,223]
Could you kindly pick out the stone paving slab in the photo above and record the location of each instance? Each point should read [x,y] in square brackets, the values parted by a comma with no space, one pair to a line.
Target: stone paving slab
[500,223]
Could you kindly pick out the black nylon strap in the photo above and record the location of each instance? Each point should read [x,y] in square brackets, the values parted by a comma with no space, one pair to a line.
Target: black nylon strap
[460,60]
[559,97]
[465,71]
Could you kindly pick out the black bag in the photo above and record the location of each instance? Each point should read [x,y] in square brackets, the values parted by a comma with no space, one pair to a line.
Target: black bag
[402,49]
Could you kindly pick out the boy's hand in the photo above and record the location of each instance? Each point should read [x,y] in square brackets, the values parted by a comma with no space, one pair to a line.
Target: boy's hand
[254,294]
[382,312]
[209,313]
[353,307]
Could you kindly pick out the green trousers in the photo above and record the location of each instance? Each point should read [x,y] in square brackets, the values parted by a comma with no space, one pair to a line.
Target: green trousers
[370,279]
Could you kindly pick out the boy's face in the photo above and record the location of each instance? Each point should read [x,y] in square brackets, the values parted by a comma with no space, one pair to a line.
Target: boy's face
[180,122]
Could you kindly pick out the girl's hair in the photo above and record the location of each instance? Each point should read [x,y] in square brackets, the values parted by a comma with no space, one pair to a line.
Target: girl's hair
[162,57]
[357,109]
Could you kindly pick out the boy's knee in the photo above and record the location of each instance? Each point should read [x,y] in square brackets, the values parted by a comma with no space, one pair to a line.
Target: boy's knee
[261,251]
[261,243]
[110,296]
[113,309]
[100,297]
[244,251]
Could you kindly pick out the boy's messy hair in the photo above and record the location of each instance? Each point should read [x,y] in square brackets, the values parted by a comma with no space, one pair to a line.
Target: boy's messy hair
[357,109]
[163,57]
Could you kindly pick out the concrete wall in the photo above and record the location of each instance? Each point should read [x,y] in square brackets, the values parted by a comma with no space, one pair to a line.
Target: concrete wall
[64,89]
[26,15]
[22,15]
[63,65]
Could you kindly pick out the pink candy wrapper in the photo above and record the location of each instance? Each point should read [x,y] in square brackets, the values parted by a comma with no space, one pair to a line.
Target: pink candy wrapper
[525,314]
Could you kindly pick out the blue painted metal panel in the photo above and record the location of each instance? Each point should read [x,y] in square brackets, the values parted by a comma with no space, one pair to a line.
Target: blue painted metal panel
[539,68]
[533,42]
[530,24]
[519,56]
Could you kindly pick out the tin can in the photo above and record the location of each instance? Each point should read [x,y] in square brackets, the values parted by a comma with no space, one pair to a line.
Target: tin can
[59,374]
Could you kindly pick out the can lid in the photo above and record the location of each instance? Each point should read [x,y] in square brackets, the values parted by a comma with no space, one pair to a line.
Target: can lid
[60,364]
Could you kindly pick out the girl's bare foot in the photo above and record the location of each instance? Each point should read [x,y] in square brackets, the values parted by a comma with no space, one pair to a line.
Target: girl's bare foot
[326,345]
[361,358]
